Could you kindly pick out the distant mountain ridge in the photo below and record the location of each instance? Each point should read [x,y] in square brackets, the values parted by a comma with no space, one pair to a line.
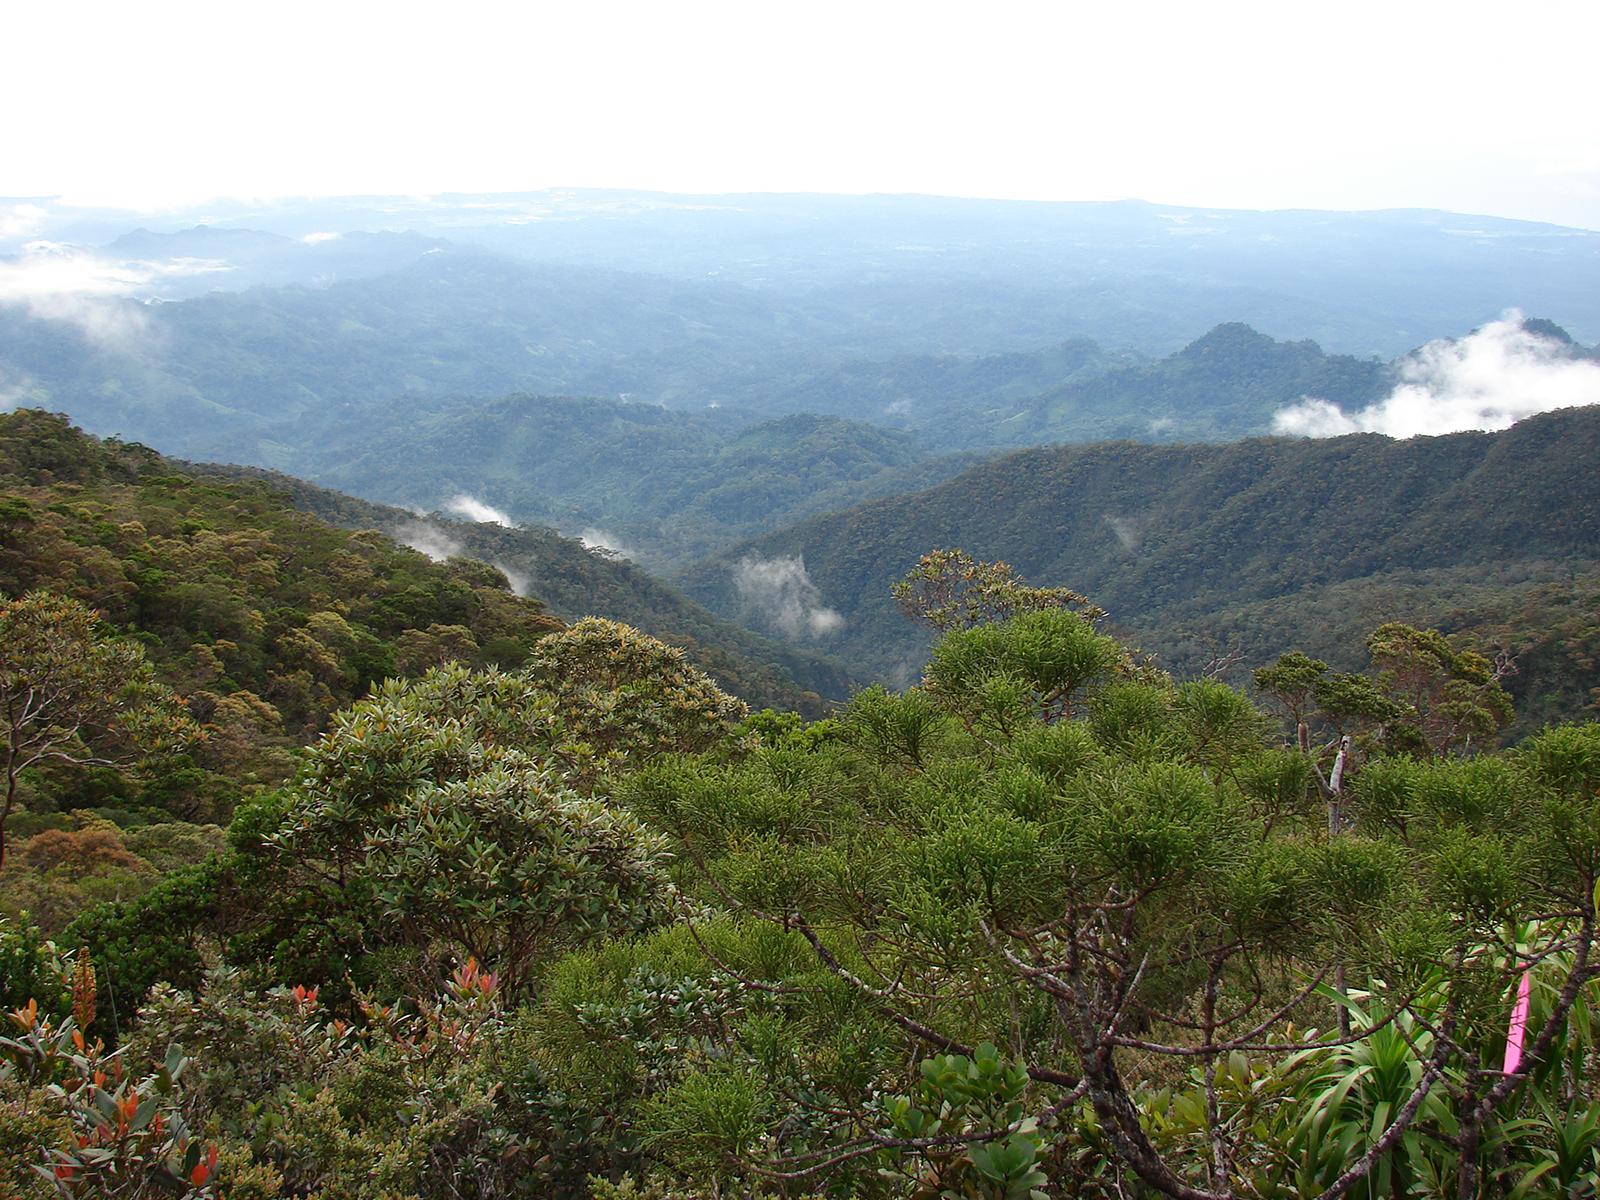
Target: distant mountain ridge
[988,276]
[1170,536]
[374,386]
[669,486]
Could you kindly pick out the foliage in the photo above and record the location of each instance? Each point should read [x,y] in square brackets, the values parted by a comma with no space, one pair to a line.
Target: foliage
[1451,698]
[157,937]
[264,620]
[975,1108]
[68,694]
[949,589]
[31,968]
[1033,666]
[1202,551]
[1049,923]
[126,1136]
[1140,900]
[436,814]
[441,1100]
[627,696]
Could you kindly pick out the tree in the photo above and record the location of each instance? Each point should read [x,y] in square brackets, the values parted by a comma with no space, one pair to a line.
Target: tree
[1453,698]
[949,589]
[1036,664]
[513,867]
[628,696]
[70,694]
[438,810]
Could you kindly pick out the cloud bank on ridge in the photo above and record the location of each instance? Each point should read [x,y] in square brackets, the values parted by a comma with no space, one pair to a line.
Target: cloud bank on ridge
[1490,379]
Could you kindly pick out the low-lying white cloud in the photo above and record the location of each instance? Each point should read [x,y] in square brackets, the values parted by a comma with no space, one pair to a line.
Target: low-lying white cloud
[428,539]
[1126,529]
[470,508]
[603,541]
[58,282]
[1490,379]
[782,593]
[16,388]
[316,239]
[521,582]
[22,220]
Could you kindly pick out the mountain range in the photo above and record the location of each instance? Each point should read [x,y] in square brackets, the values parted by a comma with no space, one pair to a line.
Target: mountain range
[779,402]
[1199,550]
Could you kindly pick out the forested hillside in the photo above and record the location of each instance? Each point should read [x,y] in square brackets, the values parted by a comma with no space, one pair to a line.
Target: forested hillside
[667,486]
[388,420]
[577,581]
[253,610]
[276,618]
[1198,536]
[267,620]
[1226,845]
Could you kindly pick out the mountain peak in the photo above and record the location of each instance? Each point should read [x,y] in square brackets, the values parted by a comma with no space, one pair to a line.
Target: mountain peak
[1231,337]
[1546,328]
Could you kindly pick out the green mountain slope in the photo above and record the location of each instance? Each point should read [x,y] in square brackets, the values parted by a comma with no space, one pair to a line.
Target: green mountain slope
[1165,536]
[575,582]
[669,486]
[266,619]
[280,618]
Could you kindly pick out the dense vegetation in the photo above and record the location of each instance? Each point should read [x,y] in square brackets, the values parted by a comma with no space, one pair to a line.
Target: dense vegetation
[576,581]
[1049,924]
[1203,551]
[265,621]
[351,853]
[669,486]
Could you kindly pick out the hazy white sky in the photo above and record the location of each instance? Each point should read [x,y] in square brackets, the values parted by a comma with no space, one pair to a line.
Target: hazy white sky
[1478,107]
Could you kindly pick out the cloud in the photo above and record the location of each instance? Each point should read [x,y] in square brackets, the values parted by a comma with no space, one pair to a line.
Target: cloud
[781,592]
[1126,529]
[58,282]
[16,388]
[521,582]
[470,508]
[22,220]
[315,239]
[605,542]
[1490,379]
[428,539]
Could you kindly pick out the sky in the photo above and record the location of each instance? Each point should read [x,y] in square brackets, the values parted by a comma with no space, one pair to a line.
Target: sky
[1475,107]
